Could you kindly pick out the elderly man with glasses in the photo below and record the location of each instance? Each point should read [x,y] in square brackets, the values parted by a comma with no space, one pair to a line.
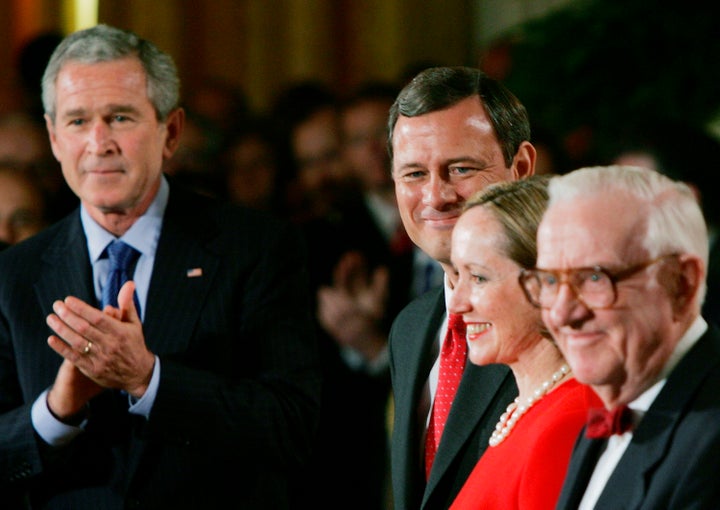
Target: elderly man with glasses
[620,280]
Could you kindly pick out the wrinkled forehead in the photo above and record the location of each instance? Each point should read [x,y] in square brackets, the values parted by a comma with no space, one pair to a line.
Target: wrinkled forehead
[588,231]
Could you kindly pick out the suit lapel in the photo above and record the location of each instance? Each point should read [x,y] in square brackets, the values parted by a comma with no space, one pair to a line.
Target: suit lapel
[476,392]
[182,274]
[582,464]
[412,346]
[420,357]
[652,438]
[66,270]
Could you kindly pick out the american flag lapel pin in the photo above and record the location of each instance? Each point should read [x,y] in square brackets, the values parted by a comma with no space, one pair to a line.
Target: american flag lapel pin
[194,272]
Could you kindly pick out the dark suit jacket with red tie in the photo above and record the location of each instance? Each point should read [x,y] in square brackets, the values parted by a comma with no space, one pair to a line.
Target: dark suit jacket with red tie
[673,459]
[483,395]
[237,405]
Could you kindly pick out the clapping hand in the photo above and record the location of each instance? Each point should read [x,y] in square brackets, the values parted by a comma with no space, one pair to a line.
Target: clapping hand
[353,307]
[102,349]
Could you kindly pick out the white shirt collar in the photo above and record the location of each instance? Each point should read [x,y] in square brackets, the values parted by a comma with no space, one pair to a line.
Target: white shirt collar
[642,403]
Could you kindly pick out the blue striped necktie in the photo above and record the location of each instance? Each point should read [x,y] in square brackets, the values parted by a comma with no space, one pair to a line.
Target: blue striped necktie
[122,258]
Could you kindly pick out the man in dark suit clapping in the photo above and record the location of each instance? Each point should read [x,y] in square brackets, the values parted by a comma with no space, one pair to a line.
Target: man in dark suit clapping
[199,386]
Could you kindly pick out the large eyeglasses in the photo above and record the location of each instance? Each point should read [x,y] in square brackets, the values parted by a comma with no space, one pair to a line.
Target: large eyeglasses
[594,286]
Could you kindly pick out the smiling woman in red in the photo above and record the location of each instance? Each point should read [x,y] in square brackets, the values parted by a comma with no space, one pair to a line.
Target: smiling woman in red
[492,242]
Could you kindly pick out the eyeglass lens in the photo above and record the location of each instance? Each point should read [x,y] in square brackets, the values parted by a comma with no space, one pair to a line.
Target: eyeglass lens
[592,285]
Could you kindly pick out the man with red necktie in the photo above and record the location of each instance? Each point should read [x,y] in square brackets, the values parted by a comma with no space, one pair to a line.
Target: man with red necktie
[620,279]
[453,131]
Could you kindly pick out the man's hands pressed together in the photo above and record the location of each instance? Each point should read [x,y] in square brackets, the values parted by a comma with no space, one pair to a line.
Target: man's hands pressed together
[102,349]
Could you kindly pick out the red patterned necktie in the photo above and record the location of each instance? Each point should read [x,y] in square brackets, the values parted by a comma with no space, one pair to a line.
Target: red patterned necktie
[603,423]
[452,363]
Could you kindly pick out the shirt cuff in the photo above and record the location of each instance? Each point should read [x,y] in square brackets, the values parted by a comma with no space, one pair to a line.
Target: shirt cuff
[143,405]
[49,428]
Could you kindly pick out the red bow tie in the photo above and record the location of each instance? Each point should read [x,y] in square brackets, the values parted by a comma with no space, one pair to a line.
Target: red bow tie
[603,423]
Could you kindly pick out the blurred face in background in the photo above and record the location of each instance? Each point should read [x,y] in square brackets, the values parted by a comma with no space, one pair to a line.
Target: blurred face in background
[21,207]
[23,142]
[251,172]
[317,146]
[365,132]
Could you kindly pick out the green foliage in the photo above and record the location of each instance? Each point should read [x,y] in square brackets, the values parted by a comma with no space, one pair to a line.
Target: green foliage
[612,63]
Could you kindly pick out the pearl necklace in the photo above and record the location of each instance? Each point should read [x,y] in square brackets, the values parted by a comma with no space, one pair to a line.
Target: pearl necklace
[515,411]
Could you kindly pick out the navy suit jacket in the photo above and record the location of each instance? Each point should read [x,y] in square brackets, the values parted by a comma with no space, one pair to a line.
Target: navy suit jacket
[673,459]
[483,395]
[238,399]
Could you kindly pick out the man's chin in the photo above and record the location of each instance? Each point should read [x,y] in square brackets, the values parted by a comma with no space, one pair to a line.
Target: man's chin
[439,253]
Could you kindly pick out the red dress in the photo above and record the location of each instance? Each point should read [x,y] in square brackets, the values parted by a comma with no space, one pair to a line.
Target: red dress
[527,469]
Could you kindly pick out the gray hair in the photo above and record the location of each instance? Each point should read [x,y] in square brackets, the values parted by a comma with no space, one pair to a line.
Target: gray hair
[103,43]
[672,216]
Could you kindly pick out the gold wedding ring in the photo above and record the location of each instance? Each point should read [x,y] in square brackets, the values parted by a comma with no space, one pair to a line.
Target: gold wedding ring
[87,348]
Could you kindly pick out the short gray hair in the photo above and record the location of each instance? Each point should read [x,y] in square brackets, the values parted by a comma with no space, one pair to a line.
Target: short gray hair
[103,43]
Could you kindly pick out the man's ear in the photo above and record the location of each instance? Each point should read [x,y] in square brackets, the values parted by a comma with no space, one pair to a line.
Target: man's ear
[524,160]
[51,135]
[174,124]
[685,282]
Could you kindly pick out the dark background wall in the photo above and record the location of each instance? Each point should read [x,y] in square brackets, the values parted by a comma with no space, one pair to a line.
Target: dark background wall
[579,65]
[260,45]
